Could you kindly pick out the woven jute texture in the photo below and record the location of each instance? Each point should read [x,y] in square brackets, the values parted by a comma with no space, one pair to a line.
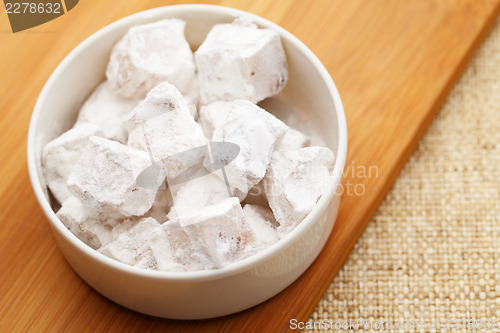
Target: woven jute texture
[432,251]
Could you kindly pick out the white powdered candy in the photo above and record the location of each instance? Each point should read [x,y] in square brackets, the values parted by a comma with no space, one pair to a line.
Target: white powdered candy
[186,250]
[217,235]
[240,61]
[213,116]
[105,177]
[196,194]
[263,224]
[145,245]
[292,140]
[256,132]
[148,55]
[162,124]
[91,226]
[295,181]
[171,137]
[163,98]
[106,109]
[59,156]
[192,95]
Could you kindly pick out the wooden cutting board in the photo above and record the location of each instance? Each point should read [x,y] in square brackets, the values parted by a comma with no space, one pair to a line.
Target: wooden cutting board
[393,62]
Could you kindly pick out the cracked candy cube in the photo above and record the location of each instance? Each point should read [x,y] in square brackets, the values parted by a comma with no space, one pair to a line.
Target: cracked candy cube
[294,182]
[59,157]
[91,226]
[148,55]
[106,109]
[261,221]
[145,245]
[256,132]
[163,98]
[214,237]
[105,177]
[197,194]
[240,61]
[172,137]
[186,250]
[163,125]
[213,116]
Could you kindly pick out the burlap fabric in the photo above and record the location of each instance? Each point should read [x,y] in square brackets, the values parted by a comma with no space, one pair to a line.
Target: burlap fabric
[432,251]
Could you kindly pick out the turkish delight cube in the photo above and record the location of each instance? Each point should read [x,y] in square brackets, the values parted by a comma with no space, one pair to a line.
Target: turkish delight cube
[294,182]
[106,109]
[218,233]
[145,245]
[91,226]
[163,98]
[256,132]
[149,54]
[106,175]
[163,126]
[240,61]
[59,157]
[261,221]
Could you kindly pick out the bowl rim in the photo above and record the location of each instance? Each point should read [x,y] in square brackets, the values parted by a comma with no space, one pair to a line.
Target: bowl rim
[201,275]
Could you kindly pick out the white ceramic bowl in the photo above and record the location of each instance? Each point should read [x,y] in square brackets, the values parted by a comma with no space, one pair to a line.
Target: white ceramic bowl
[200,294]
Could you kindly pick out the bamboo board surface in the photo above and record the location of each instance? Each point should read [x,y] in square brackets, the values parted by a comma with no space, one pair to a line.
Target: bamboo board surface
[393,62]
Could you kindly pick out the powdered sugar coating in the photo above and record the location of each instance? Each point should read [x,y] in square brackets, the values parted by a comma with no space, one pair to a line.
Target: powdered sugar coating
[167,136]
[263,224]
[240,61]
[106,109]
[163,125]
[197,194]
[295,181]
[215,236]
[105,177]
[213,116]
[91,226]
[145,245]
[59,157]
[163,98]
[185,248]
[192,93]
[292,140]
[256,131]
[148,55]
